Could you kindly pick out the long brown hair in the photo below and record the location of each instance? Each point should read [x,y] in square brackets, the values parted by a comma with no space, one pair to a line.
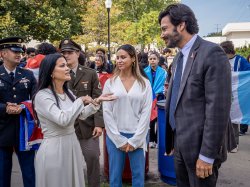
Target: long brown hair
[135,67]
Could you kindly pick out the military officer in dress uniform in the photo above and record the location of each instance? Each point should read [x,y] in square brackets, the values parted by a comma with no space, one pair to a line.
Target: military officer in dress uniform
[16,85]
[84,81]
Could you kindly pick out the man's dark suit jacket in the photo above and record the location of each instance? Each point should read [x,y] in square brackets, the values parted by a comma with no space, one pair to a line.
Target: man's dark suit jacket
[21,89]
[203,105]
[85,83]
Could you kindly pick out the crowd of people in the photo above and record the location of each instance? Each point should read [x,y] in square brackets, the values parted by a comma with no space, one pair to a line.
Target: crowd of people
[74,100]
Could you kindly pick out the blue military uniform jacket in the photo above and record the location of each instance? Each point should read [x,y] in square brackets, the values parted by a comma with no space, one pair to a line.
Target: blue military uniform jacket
[21,89]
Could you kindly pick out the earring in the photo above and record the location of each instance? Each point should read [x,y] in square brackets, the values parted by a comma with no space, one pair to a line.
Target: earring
[52,76]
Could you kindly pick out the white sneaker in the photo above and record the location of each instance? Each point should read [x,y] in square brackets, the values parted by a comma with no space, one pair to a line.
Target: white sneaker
[151,144]
[156,145]
[235,150]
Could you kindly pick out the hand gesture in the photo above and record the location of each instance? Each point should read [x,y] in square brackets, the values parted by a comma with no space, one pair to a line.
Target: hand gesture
[105,97]
[87,99]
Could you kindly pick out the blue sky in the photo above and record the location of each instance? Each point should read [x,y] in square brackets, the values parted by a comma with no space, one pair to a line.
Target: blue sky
[209,13]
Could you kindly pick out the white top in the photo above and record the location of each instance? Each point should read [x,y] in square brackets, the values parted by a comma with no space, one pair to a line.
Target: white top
[130,113]
[231,61]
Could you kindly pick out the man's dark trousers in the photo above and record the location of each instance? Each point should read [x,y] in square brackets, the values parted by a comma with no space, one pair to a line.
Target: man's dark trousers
[24,158]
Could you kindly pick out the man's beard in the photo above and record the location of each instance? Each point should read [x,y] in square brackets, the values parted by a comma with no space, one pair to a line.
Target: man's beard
[174,39]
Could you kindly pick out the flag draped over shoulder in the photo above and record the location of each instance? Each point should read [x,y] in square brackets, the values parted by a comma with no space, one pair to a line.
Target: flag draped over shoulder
[160,77]
[240,109]
[30,133]
[157,86]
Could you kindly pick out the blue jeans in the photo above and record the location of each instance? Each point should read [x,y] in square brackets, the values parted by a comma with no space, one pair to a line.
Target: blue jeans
[117,161]
[26,161]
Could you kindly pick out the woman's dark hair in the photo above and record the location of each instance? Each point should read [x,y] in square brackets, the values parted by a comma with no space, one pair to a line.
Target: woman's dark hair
[144,60]
[228,47]
[162,61]
[169,73]
[103,67]
[100,49]
[46,49]
[179,13]
[30,50]
[166,50]
[139,56]
[45,80]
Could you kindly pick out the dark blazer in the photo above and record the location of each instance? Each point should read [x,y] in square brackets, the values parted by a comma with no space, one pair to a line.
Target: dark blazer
[203,106]
[22,89]
[86,82]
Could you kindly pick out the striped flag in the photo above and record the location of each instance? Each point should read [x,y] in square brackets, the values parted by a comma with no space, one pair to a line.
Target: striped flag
[240,109]
[154,113]
[30,135]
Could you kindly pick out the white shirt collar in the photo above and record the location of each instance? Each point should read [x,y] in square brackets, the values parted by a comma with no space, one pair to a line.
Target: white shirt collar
[187,47]
[75,69]
[8,71]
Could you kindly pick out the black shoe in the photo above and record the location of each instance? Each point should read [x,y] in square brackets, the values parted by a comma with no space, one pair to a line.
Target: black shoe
[241,133]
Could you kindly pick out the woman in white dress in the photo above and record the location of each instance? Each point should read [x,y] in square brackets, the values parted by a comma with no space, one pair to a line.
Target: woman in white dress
[127,118]
[59,161]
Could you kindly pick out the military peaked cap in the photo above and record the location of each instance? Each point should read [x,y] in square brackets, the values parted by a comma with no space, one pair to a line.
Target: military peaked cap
[12,43]
[69,45]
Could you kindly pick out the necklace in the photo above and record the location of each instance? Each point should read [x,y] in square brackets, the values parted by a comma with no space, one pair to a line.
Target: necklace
[62,96]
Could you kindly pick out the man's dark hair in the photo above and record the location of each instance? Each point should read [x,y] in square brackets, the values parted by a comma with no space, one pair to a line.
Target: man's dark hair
[228,47]
[30,50]
[102,50]
[166,50]
[248,58]
[162,61]
[82,58]
[46,49]
[179,13]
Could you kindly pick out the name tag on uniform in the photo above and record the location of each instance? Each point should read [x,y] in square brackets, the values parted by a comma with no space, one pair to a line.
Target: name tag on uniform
[85,84]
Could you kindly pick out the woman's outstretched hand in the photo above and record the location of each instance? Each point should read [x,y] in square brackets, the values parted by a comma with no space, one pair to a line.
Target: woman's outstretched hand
[105,97]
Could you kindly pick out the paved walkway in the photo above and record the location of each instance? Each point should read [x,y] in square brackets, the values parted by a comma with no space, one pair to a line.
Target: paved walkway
[233,173]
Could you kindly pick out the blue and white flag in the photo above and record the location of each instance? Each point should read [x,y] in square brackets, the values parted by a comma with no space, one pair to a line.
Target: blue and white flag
[240,109]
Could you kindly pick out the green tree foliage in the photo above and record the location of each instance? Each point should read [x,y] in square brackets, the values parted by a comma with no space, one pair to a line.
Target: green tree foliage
[94,23]
[213,34]
[132,21]
[134,9]
[243,51]
[143,16]
[145,30]
[41,19]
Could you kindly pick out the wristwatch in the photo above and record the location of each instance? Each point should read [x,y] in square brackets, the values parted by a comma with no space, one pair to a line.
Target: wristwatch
[22,106]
